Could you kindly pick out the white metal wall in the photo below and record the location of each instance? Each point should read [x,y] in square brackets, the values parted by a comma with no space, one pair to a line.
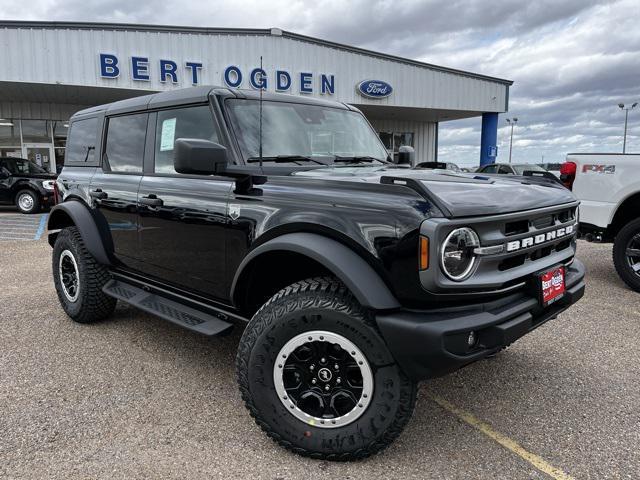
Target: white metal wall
[424,135]
[38,111]
[71,56]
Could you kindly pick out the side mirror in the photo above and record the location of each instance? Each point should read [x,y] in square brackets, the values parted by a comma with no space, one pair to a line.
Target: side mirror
[199,157]
[406,155]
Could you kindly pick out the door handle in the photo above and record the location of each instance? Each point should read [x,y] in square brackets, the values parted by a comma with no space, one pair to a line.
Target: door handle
[152,201]
[98,194]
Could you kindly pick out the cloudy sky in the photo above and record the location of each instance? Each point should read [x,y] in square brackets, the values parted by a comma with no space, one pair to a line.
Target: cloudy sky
[572,61]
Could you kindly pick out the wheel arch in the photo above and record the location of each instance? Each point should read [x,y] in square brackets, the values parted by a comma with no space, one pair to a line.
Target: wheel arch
[75,213]
[626,211]
[21,186]
[313,254]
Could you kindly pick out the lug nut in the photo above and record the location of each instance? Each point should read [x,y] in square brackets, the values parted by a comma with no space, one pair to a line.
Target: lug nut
[338,380]
[323,360]
[312,367]
[327,388]
[336,367]
[313,380]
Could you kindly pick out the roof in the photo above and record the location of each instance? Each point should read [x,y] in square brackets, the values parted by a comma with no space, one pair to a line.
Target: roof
[185,96]
[241,31]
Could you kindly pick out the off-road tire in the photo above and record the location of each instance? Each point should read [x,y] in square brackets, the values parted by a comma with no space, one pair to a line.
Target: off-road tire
[35,199]
[322,304]
[92,304]
[631,278]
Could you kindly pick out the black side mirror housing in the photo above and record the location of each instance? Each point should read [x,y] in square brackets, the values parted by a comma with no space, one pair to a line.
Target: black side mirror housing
[199,157]
[406,155]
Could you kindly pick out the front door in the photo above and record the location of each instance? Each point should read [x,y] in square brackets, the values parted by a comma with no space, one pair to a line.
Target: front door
[40,154]
[183,218]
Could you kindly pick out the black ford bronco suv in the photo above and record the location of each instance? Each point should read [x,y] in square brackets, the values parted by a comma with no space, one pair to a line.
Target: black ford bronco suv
[353,277]
[25,184]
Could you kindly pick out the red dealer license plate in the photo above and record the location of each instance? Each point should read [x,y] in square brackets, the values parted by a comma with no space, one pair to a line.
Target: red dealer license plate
[552,286]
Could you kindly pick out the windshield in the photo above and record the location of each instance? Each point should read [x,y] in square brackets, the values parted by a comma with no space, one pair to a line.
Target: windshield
[16,166]
[520,169]
[321,134]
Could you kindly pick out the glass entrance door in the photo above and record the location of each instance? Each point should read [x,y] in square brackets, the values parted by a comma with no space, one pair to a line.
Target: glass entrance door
[40,154]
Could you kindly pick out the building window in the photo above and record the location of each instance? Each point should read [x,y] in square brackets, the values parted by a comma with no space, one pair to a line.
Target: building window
[394,140]
[10,143]
[36,131]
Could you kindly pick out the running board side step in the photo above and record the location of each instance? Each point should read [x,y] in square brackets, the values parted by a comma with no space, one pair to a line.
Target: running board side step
[178,313]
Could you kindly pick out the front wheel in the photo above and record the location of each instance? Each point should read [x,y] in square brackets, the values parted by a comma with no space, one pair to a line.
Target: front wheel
[626,254]
[318,378]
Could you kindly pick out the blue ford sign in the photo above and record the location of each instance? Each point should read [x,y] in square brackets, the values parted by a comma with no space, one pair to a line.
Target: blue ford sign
[374,89]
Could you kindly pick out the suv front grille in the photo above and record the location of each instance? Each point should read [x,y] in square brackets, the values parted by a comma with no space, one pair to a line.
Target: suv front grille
[532,241]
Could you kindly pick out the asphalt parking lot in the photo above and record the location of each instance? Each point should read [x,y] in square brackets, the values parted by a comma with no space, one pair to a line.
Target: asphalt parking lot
[136,397]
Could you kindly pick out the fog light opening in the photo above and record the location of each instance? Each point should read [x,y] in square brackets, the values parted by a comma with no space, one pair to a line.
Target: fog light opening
[472,339]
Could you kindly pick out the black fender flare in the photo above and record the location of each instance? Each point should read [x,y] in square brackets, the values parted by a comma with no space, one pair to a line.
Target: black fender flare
[349,267]
[86,223]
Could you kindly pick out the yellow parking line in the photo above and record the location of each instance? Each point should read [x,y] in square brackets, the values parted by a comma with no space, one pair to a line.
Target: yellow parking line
[513,446]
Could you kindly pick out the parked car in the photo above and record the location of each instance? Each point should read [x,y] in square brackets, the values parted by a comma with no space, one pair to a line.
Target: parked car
[510,168]
[552,167]
[352,277]
[25,185]
[608,186]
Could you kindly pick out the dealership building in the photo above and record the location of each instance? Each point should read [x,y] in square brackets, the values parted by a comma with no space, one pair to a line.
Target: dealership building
[50,70]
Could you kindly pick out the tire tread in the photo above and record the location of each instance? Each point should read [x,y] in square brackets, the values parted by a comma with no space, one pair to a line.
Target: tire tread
[343,300]
[96,305]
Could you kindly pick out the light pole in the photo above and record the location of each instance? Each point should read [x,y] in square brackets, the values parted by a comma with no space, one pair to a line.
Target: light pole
[626,118]
[512,122]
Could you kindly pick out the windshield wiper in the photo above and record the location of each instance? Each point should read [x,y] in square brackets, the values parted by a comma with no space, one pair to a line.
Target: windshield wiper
[356,159]
[284,159]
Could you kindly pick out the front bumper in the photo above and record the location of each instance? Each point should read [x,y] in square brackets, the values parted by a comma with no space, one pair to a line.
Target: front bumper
[432,343]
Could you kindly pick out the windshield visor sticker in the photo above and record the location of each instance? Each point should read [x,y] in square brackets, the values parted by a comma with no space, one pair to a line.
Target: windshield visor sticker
[168,134]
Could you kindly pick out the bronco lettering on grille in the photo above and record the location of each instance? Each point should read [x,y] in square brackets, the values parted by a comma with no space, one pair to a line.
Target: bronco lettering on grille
[540,238]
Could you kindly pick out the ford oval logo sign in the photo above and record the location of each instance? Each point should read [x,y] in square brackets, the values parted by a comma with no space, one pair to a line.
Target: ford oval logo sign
[374,89]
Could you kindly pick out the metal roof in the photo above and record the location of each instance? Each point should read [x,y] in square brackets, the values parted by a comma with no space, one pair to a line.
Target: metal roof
[240,31]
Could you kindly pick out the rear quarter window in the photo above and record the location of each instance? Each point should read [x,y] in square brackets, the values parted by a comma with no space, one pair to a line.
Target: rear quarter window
[81,143]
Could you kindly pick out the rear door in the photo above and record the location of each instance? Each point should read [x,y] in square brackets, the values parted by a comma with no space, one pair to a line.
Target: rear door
[114,187]
[183,218]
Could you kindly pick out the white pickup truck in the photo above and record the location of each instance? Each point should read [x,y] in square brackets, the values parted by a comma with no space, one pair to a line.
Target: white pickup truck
[608,187]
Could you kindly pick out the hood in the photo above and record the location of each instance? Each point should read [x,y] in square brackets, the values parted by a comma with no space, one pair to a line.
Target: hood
[459,194]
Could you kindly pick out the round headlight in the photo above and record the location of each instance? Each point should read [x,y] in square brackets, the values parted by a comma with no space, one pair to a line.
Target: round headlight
[457,257]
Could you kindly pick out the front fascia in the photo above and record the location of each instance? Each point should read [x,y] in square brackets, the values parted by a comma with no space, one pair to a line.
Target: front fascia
[489,272]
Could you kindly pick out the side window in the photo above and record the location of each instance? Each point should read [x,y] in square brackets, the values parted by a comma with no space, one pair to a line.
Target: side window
[505,170]
[490,169]
[81,142]
[124,149]
[189,122]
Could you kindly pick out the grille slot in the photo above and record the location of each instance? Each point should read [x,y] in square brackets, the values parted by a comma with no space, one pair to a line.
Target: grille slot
[515,228]
[543,222]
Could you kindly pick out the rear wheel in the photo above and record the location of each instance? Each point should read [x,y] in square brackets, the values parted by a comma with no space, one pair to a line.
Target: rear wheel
[79,279]
[27,201]
[626,254]
[318,378]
